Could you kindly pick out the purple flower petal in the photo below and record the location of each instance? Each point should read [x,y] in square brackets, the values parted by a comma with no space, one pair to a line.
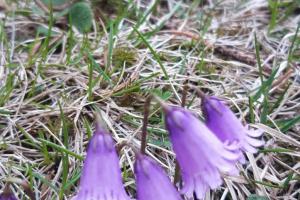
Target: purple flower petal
[201,155]
[101,175]
[228,128]
[7,196]
[152,182]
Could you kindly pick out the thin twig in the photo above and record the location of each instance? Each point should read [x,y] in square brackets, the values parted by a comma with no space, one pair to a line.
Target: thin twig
[184,94]
[198,91]
[283,79]
[145,123]
[224,50]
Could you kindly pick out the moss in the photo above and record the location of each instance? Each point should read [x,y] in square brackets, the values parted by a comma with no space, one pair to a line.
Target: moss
[54,124]
[108,9]
[163,56]
[3,146]
[123,55]
[203,68]
[109,6]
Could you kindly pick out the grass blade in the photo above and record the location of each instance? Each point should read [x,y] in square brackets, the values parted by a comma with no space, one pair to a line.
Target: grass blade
[153,53]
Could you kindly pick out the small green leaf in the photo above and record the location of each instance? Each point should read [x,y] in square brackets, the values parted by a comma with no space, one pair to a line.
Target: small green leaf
[54,2]
[153,52]
[164,95]
[41,30]
[290,123]
[81,16]
[256,197]
[5,112]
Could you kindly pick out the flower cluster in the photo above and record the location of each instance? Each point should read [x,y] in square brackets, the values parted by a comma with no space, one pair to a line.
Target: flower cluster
[198,152]
[204,150]
[101,175]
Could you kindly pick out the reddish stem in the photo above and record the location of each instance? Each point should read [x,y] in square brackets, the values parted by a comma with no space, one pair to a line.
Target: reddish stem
[145,124]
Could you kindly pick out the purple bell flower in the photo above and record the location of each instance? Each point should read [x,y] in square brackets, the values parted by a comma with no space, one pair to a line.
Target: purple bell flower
[7,196]
[200,154]
[228,128]
[101,175]
[152,182]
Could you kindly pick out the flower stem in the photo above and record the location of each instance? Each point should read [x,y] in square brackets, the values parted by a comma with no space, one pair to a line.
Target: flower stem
[177,178]
[145,123]
[163,105]
[199,92]
[184,94]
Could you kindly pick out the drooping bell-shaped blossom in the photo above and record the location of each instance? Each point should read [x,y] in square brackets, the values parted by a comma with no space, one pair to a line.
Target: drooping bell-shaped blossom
[228,128]
[101,175]
[200,154]
[7,196]
[152,182]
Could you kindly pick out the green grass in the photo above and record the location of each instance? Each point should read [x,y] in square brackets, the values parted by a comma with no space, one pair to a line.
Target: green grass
[273,6]
[155,55]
